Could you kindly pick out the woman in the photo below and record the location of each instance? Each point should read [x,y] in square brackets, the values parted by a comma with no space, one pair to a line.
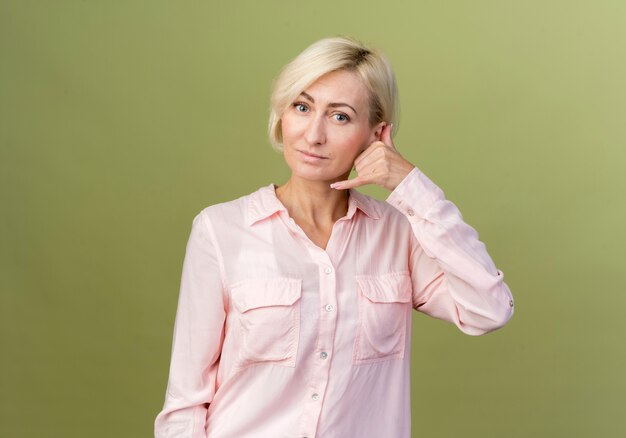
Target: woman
[294,313]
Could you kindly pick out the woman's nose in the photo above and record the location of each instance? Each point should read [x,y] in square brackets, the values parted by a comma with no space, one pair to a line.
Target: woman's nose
[316,130]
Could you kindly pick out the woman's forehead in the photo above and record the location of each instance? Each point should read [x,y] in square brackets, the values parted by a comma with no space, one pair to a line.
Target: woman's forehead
[338,85]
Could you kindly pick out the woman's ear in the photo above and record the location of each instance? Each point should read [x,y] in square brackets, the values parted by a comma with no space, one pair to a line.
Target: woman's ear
[379,130]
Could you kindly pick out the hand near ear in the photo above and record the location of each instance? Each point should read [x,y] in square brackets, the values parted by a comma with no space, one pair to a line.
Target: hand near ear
[380,163]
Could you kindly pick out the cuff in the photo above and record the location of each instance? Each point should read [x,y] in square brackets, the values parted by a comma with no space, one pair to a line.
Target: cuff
[415,194]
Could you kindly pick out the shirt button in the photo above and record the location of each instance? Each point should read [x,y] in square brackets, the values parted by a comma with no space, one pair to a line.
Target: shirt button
[329,307]
[410,212]
[323,355]
[315,396]
[328,270]
[511,303]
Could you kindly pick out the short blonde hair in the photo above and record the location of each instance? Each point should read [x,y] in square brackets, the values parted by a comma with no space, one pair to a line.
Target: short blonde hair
[328,55]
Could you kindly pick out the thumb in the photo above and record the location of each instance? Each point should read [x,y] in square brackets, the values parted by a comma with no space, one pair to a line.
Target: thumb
[385,135]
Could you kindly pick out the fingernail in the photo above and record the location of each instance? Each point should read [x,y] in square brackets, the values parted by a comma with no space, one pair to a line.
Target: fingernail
[335,185]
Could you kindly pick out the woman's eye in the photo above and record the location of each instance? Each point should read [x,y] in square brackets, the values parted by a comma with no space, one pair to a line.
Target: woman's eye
[342,117]
[300,107]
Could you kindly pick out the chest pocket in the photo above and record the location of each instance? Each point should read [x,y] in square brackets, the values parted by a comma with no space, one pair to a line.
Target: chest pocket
[269,319]
[384,308]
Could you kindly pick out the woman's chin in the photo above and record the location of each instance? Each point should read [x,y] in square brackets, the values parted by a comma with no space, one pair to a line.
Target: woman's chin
[317,176]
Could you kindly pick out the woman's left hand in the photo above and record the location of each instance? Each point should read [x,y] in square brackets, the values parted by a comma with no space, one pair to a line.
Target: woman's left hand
[380,163]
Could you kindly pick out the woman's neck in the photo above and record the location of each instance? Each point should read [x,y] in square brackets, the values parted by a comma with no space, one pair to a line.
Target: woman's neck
[313,202]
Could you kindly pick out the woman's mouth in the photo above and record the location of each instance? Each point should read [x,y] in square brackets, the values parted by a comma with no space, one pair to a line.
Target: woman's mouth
[311,157]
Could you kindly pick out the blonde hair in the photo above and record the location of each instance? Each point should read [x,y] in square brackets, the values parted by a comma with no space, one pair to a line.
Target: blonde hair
[328,55]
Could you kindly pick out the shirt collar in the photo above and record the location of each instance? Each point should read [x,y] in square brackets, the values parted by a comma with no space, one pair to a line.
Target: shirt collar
[263,203]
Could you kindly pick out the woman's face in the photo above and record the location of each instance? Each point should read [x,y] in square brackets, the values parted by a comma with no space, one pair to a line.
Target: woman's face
[327,127]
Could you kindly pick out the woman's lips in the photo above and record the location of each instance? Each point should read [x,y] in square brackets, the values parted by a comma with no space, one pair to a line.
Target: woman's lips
[312,158]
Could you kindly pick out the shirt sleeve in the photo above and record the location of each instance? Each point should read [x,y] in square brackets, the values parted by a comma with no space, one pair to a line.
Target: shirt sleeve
[453,276]
[197,340]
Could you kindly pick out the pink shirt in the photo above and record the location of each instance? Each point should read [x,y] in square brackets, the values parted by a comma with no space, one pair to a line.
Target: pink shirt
[276,337]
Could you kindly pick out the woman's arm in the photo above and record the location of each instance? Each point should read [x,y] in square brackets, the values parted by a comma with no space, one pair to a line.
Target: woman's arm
[197,340]
[453,276]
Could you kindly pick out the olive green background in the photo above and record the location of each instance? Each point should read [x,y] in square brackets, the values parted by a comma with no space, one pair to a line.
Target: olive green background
[121,120]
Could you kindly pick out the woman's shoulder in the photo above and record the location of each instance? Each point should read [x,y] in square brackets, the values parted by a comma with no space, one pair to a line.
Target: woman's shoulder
[234,210]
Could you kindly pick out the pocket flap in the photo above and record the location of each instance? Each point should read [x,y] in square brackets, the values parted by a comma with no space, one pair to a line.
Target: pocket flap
[277,291]
[389,288]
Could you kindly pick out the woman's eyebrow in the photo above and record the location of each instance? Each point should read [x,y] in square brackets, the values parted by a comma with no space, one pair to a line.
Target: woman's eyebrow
[332,105]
